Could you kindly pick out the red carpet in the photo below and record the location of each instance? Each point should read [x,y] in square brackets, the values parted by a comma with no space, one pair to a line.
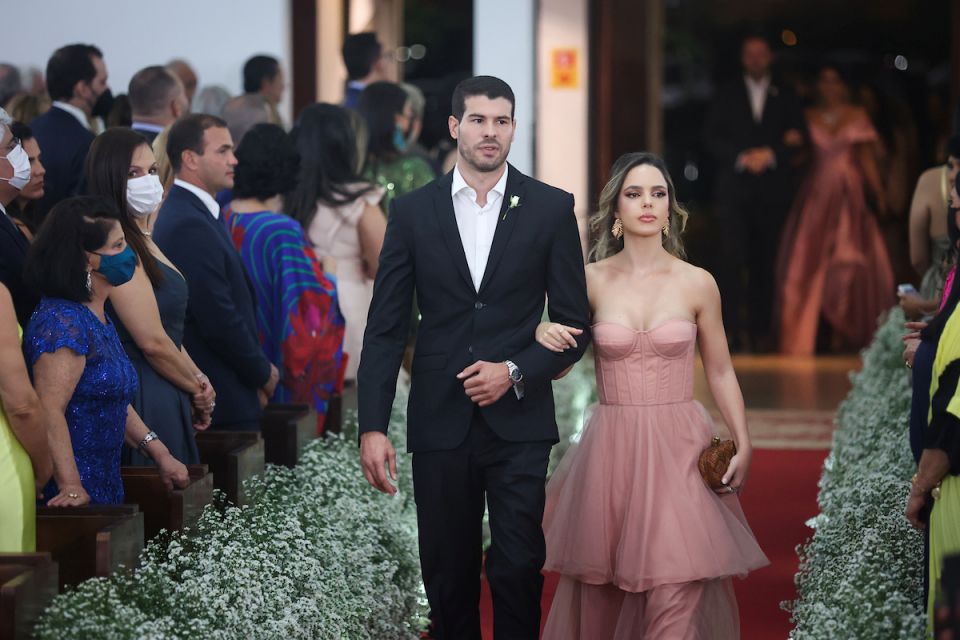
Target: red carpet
[780,497]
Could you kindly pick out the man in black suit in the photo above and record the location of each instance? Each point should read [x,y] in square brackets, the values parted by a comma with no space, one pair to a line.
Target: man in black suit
[220,330]
[754,132]
[15,172]
[157,99]
[76,80]
[481,247]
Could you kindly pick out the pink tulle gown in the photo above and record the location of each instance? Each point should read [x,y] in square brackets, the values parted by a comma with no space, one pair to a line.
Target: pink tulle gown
[833,262]
[646,550]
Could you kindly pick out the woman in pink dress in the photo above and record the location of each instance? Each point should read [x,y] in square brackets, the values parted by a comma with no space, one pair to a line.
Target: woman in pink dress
[833,263]
[645,548]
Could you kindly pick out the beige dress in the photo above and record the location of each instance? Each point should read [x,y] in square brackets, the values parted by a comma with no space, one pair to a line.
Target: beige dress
[333,233]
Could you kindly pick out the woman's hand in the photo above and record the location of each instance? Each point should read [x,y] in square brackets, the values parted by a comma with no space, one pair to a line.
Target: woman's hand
[173,472]
[71,495]
[557,337]
[914,306]
[910,350]
[203,401]
[915,504]
[736,476]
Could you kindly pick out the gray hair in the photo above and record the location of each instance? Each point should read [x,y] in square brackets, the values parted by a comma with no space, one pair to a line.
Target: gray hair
[10,83]
[151,89]
[210,100]
[418,103]
[5,122]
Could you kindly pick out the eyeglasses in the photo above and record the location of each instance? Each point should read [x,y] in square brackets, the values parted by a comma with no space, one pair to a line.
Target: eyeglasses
[14,142]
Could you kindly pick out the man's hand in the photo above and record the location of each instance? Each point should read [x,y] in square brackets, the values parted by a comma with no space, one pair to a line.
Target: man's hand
[271,384]
[376,452]
[486,382]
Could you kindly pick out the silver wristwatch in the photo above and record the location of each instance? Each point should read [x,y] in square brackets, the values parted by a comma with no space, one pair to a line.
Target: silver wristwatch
[516,377]
[147,439]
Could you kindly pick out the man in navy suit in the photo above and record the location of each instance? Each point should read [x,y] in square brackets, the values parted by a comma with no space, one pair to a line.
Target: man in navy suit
[363,57]
[76,79]
[157,99]
[220,331]
[14,169]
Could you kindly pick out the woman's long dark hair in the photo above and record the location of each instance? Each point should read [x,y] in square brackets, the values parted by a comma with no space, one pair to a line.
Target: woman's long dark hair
[380,104]
[933,331]
[107,170]
[327,144]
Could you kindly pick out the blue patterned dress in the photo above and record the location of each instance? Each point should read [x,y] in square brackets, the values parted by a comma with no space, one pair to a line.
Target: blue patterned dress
[298,315]
[97,411]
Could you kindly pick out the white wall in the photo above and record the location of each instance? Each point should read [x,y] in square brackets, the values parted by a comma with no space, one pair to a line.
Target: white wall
[503,46]
[562,113]
[215,36]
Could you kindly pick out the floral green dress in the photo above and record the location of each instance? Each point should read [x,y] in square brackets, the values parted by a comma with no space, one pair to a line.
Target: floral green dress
[399,176]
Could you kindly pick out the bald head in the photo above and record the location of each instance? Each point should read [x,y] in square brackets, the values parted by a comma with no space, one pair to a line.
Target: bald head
[183,70]
[157,96]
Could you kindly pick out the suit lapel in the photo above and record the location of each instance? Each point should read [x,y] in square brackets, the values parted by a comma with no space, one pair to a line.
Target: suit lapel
[443,205]
[506,222]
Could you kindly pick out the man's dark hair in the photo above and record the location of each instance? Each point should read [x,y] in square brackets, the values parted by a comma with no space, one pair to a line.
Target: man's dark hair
[106,171]
[56,264]
[379,104]
[256,70]
[20,130]
[151,89]
[267,163]
[756,34]
[360,53]
[488,86]
[953,145]
[69,65]
[187,133]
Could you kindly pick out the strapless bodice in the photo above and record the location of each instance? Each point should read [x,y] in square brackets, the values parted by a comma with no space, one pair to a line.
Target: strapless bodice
[645,367]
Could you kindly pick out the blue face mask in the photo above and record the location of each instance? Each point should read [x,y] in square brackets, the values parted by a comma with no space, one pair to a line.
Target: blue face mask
[118,269]
[399,139]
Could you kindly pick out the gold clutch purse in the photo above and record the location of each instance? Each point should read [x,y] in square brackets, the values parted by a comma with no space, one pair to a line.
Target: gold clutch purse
[714,461]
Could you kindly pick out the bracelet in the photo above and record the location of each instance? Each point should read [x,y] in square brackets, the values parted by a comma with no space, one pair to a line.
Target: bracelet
[933,491]
[150,437]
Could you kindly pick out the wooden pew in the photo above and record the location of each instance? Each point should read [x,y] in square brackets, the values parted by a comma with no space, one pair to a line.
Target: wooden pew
[163,509]
[28,582]
[287,429]
[89,541]
[233,456]
[333,423]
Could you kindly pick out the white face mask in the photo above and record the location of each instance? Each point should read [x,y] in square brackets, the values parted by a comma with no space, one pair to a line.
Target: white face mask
[144,195]
[20,162]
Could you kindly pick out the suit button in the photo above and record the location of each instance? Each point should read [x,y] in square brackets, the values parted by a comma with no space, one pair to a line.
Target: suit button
[470,349]
[478,306]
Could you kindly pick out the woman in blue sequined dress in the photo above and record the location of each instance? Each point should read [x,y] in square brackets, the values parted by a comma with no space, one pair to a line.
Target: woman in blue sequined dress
[82,374]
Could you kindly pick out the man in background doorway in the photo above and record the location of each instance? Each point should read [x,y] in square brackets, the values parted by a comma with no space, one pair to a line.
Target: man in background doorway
[755,132]
[363,57]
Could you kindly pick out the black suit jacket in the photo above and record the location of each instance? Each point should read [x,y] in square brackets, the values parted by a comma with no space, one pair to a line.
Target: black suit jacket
[731,129]
[535,255]
[64,142]
[13,251]
[149,134]
[220,331]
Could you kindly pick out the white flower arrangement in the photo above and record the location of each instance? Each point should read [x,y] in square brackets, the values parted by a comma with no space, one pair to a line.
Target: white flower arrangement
[861,573]
[316,554]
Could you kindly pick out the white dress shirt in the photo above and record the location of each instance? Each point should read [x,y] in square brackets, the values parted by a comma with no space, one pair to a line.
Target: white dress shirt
[76,112]
[757,92]
[476,224]
[207,200]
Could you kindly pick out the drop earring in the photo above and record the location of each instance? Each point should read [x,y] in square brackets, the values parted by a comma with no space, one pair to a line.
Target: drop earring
[89,283]
[666,230]
[617,229]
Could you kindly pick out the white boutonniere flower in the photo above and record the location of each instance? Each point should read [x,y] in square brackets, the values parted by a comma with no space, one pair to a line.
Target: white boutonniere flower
[514,203]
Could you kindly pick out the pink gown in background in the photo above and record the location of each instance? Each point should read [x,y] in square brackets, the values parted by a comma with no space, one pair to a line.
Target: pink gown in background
[645,548]
[833,263]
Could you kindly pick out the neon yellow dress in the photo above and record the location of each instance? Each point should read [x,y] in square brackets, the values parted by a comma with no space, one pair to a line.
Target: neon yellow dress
[945,516]
[18,522]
